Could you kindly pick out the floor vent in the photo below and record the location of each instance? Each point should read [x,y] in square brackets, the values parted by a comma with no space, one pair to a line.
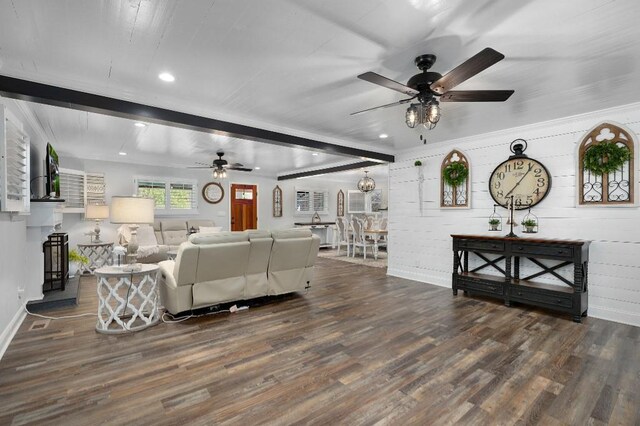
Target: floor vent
[40,324]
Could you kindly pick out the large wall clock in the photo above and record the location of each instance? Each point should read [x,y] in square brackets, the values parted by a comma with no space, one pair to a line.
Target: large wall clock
[526,180]
[213,193]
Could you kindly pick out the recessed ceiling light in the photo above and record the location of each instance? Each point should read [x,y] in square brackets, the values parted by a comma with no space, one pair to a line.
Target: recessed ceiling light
[383,135]
[165,76]
[138,124]
[257,168]
[315,154]
[122,153]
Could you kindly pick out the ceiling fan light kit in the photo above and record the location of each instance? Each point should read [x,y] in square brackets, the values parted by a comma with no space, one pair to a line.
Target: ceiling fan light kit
[220,166]
[428,86]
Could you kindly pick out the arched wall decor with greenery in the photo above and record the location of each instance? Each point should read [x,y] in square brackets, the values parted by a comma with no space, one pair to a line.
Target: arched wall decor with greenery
[454,180]
[606,167]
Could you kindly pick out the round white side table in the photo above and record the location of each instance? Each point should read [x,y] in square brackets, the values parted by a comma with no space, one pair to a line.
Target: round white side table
[127,301]
[99,254]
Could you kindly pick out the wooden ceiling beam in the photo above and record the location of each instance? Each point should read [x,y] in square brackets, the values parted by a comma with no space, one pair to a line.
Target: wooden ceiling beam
[30,91]
[328,170]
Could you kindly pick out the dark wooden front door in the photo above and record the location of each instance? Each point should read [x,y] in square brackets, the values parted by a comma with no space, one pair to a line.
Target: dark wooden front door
[244,212]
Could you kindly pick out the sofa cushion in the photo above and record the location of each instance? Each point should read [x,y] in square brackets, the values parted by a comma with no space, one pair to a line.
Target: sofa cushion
[210,229]
[146,236]
[197,223]
[218,238]
[174,231]
[291,233]
[255,234]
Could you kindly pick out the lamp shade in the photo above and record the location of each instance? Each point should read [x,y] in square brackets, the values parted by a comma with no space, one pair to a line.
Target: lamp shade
[134,210]
[96,211]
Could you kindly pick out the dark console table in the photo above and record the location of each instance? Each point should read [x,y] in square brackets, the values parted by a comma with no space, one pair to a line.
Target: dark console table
[509,286]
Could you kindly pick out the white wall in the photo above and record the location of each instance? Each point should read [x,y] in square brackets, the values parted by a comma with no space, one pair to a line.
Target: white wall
[420,245]
[13,243]
[119,181]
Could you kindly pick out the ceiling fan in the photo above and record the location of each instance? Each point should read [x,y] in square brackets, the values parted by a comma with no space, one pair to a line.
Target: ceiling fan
[429,87]
[220,166]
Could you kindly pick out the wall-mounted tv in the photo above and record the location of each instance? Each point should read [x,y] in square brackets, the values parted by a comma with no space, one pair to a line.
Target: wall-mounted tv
[52,172]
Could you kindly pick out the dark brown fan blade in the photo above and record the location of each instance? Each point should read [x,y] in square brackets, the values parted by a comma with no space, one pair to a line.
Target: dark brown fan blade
[476,96]
[466,70]
[374,78]
[236,165]
[200,167]
[404,101]
[241,169]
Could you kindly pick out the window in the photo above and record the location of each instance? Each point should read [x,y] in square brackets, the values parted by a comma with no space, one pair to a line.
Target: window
[310,201]
[153,189]
[169,195]
[182,196]
[360,202]
[615,188]
[458,195]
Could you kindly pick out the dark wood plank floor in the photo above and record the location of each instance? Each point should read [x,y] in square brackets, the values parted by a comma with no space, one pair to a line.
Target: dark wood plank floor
[359,348]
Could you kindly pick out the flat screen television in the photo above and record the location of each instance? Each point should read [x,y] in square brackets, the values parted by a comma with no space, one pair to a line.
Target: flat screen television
[52,172]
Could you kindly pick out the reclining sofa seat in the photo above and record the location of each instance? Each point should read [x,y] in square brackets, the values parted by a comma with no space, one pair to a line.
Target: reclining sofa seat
[228,266]
[170,233]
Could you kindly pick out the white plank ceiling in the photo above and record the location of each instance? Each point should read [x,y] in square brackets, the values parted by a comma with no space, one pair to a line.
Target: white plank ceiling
[292,65]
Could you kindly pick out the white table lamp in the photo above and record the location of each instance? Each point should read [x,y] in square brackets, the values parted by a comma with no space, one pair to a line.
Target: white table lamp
[97,212]
[132,211]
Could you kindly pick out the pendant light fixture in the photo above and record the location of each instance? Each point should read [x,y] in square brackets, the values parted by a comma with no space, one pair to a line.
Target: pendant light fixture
[366,184]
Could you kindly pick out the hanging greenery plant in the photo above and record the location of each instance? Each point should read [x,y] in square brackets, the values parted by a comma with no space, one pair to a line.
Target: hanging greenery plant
[418,163]
[605,157]
[455,173]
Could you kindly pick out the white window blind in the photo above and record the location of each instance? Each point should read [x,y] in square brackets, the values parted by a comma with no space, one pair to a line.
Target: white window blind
[95,188]
[356,202]
[320,201]
[153,189]
[14,166]
[183,196]
[72,188]
[303,201]
[309,201]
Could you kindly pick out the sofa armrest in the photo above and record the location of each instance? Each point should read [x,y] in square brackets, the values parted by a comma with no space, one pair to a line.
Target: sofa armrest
[166,272]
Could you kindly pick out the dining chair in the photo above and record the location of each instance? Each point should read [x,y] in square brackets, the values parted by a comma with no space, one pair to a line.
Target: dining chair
[359,239]
[342,234]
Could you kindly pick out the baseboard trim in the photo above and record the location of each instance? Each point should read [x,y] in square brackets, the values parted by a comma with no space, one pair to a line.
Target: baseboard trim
[414,276]
[614,315]
[8,333]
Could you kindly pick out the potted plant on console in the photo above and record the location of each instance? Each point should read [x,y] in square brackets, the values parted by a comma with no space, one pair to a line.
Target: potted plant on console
[529,225]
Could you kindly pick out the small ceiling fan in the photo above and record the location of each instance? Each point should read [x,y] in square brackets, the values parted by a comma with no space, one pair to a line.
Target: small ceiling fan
[220,166]
[429,87]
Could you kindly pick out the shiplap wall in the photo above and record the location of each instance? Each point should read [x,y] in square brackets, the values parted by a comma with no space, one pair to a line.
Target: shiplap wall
[420,244]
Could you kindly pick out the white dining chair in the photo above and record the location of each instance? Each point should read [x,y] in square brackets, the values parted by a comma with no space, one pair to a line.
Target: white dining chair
[359,239]
[342,234]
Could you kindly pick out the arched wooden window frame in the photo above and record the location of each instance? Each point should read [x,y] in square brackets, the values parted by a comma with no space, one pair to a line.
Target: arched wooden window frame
[461,196]
[588,182]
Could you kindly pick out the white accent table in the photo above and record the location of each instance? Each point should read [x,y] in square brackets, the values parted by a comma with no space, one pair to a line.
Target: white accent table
[120,292]
[99,255]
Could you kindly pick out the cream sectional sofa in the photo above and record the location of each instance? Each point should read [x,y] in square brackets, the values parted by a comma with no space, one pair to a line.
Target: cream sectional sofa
[231,266]
[170,233]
